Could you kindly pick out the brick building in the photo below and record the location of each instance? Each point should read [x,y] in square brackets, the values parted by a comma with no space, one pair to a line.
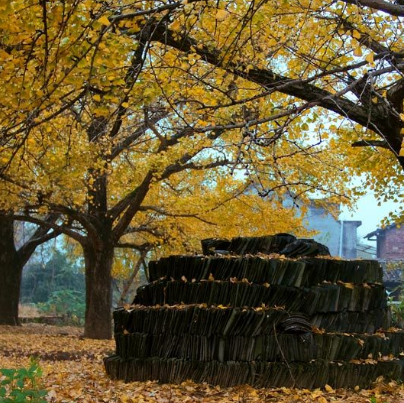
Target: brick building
[390,253]
[389,242]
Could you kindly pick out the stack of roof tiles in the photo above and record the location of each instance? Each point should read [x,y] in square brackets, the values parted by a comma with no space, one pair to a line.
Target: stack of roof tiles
[269,311]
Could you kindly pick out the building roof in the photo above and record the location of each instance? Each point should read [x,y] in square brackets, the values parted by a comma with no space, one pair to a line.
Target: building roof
[380,231]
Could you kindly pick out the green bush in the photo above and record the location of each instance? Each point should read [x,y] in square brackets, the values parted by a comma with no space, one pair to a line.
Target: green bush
[397,313]
[69,304]
[59,273]
[22,385]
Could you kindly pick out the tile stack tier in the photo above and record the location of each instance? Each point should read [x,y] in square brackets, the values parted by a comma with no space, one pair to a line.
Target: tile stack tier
[269,312]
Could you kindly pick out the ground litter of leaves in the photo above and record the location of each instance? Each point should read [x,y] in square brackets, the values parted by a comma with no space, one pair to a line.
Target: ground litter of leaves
[73,372]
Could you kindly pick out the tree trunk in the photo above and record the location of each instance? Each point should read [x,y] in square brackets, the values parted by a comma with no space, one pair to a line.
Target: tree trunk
[98,266]
[129,282]
[11,267]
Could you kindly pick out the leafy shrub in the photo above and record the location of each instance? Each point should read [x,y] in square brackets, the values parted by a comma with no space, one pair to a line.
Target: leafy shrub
[69,304]
[22,385]
[397,313]
[60,273]
[396,307]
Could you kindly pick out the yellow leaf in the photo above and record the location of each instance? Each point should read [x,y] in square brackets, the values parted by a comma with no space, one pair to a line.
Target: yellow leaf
[125,104]
[175,26]
[401,153]
[357,51]
[104,21]
[322,399]
[97,97]
[329,389]
[355,361]
[101,111]
[316,393]
[211,278]
[356,34]
[369,58]
[221,15]
[4,54]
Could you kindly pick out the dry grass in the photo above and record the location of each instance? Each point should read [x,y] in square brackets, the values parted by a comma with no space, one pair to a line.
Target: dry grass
[28,311]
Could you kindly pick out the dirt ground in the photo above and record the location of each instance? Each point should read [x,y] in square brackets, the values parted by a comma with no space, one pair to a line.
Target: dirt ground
[73,372]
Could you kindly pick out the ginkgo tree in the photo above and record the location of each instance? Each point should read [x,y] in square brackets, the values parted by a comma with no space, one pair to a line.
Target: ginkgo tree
[145,123]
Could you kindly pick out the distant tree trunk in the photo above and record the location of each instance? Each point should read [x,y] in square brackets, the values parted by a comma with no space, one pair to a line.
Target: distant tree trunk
[129,282]
[11,266]
[12,262]
[98,267]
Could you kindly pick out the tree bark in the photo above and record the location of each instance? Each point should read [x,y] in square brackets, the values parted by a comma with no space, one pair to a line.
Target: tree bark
[11,266]
[98,267]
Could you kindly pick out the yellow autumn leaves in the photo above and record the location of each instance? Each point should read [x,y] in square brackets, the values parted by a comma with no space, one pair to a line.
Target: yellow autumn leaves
[90,53]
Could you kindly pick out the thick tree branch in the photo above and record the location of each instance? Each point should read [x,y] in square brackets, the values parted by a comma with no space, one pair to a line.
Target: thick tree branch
[40,236]
[28,248]
[127,141]
[141,248]
[179,215]
[140,228]
[365,38]
[142,189]
[381,5]
[131,203]
[152,11]
[130,79]
[371,143]
[57,228]
[81,218]
[395,95]
[182,166]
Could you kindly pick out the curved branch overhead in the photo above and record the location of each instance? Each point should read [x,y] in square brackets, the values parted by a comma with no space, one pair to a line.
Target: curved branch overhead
[380,118]
[380,5]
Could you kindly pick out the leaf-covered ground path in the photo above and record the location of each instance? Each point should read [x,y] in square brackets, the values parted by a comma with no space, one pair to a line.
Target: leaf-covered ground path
[73,372]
